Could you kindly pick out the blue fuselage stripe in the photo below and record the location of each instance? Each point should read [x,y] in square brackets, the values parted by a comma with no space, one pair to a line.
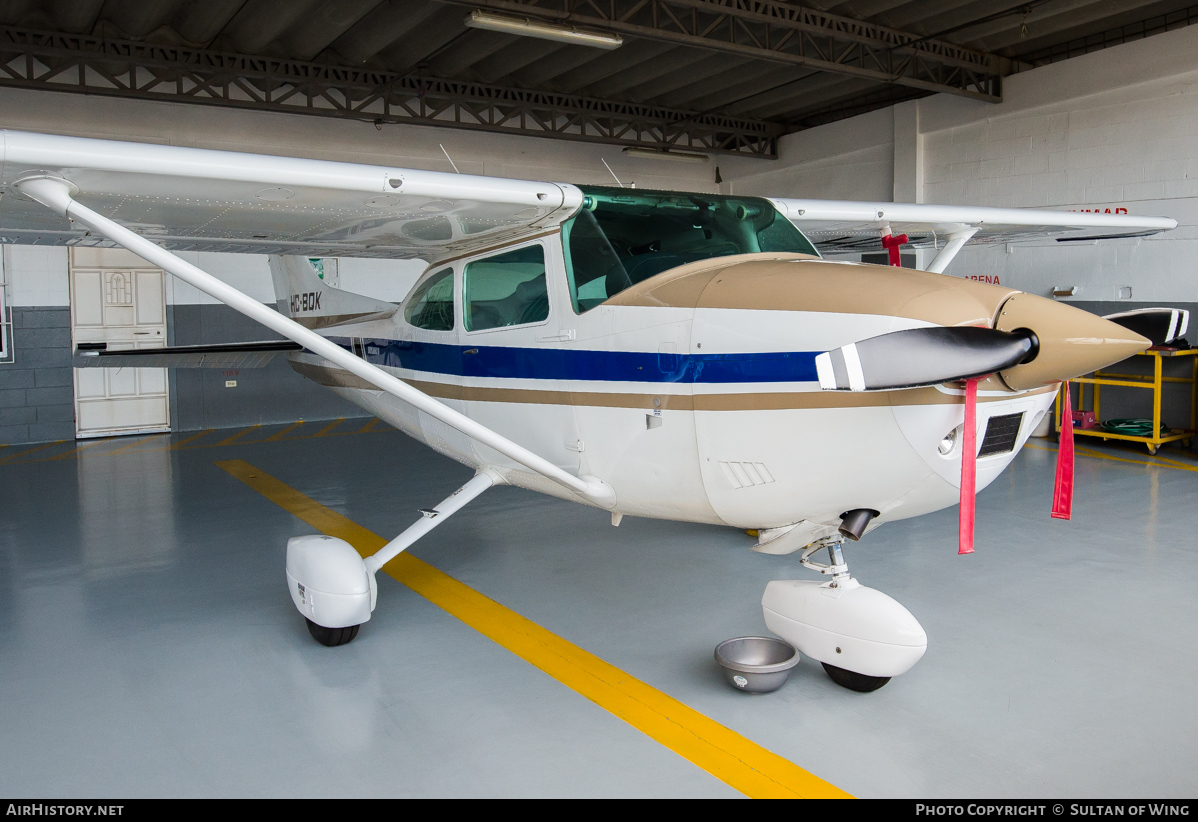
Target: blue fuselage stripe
[583,365]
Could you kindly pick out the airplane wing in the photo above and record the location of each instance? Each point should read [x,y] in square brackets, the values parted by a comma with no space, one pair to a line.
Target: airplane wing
[204,200]
[848,226]
[154,200]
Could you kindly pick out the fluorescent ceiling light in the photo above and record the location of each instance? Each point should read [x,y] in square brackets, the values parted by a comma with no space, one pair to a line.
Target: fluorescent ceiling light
[659,154]
[545,31]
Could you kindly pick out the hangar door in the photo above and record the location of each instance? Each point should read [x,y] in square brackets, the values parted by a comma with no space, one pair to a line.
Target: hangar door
[118,299]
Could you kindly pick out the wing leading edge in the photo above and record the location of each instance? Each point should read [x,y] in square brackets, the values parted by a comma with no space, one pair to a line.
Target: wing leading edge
[206,200]
[850,226]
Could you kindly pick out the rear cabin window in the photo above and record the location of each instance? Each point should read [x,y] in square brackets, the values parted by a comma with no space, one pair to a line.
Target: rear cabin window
[507,289]
[431,304]
[621,237]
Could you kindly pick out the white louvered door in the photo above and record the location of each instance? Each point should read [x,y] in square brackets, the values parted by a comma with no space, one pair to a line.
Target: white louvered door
[125,306]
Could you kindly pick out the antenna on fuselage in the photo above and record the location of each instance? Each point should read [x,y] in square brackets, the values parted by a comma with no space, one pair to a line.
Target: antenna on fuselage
[450,159]
[613,174]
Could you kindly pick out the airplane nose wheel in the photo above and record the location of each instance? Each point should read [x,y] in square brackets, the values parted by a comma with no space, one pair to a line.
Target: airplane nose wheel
[862,637]
[331,637]
[838,569]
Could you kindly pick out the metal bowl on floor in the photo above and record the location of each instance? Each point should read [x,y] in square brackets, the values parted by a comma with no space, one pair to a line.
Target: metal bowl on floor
[756,664]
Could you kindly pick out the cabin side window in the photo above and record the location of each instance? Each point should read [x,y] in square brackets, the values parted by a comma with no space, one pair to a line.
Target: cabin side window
[431,305]
[507,289]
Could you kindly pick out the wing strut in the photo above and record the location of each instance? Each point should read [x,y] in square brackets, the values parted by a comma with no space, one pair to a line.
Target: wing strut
[956,241]
[58,195]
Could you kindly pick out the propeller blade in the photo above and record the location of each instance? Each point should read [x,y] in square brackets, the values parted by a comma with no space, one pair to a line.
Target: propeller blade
[922,356]
[1161,325]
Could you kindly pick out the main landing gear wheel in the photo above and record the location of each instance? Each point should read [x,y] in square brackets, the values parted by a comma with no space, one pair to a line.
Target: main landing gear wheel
[332,637]
[853,680]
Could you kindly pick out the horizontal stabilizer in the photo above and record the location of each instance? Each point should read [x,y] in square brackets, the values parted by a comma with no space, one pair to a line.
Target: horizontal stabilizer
[1161,325]
[226,355]
[921,356]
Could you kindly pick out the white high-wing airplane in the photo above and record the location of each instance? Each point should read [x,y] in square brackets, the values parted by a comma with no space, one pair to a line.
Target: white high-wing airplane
[658,354]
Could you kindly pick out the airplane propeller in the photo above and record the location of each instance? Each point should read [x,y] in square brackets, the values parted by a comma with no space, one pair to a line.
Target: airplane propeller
[1075,343]
[923,356]
[1161,325]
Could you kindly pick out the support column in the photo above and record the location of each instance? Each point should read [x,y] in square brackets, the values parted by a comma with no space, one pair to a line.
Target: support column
[908,154]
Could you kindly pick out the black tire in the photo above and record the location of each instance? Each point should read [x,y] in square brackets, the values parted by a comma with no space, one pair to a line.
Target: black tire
[853,680]
[332,637]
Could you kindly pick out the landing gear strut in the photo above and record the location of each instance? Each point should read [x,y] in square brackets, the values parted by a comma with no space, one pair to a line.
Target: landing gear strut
[861,636]
[839,571]
[334,588]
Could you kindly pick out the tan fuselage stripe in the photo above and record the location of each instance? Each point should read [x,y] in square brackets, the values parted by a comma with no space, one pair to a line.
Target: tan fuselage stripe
[761,401]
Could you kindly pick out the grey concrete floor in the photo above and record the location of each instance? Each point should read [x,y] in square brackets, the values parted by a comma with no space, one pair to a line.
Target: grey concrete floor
[148,646]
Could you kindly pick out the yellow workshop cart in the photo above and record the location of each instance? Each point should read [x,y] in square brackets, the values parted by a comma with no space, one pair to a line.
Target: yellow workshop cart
[1155,382]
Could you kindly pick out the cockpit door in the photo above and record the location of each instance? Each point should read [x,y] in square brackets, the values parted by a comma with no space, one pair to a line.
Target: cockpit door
[514,369]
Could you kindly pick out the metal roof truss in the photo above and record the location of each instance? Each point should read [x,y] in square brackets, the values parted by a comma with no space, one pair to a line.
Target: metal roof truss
[95,65]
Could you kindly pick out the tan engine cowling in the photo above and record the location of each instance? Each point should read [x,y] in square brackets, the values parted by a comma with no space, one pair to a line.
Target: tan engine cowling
[1072,342]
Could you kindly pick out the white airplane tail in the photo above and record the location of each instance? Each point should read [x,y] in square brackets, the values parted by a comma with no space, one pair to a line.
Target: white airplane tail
[304,297]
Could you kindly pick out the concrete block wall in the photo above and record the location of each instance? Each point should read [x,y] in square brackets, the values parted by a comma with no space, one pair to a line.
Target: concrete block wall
[274,393]
[37,401]
[1114,131]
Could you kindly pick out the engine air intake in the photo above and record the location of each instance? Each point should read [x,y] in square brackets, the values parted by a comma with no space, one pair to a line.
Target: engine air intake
[1001,434]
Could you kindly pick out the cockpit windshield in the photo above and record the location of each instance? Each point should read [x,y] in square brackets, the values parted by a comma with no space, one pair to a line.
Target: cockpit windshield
[623,236]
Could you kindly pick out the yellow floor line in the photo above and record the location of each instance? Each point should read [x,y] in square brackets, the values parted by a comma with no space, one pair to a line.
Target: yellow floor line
[31,450]
[74,452]
[238,435]
[725,754]
[368,426]
[329,427]
[280,434]
[130,447]
[192,438]
[1086,452]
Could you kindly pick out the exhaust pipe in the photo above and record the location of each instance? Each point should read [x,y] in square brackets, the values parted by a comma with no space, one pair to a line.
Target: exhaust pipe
[853,523]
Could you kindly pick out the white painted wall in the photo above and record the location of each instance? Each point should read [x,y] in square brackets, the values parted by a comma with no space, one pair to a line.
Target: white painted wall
[36,275]
[847,160]
[1116,129]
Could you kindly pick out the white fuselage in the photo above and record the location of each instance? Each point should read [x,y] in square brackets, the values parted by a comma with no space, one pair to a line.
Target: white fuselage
[700,414]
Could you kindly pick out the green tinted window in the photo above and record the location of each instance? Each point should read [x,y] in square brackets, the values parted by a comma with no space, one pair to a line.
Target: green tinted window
[431,305]
[623,236]
[507,289]
[593,268]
